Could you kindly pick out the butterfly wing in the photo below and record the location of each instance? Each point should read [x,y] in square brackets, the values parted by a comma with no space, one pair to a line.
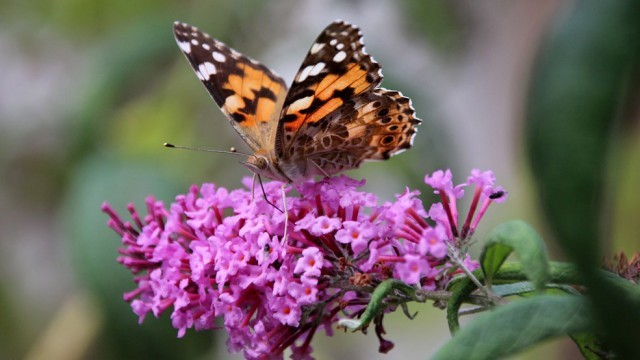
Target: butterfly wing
[335,117]
[335,70]
[372,126]
[249,94]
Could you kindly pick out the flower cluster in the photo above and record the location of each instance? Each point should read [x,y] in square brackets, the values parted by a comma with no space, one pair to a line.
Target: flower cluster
[218,253]
[624,267]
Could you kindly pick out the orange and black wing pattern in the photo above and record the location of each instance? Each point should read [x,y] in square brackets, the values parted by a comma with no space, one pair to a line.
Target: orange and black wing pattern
[335,70]
[249,93]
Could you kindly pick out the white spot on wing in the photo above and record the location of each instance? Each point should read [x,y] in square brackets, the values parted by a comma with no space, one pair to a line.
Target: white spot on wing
[340,56]
[304,73]
[316,69]
[185,46]
[234,102]
[333,42]
[207,69]
[218,57]
[316,47]
[206,46]
[340,46]
[194,42]
[300,104]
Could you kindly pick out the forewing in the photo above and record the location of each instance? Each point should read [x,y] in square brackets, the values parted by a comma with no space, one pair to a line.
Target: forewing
[372,126]
[336,70]
[249,94]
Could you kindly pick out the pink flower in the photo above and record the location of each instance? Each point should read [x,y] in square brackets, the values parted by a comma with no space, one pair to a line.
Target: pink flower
[356,233]
[433,243]
[485,193]
[324,225]
[287,310]
[310,263]
[412,268]
[305,291]
[440,180]
[215,253]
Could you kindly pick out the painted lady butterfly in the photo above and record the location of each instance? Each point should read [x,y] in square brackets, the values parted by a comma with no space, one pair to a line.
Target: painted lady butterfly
[332,118]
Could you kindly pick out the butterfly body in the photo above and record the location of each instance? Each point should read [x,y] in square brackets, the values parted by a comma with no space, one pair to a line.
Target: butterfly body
[332,118]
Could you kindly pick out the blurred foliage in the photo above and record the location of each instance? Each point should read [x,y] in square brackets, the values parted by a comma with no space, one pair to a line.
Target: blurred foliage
[626,174]
[577,93]
[580,88]
[12,340]
[516,326]
[440,21]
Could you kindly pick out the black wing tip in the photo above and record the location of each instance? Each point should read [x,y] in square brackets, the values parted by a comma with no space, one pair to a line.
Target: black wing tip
[183,29]
[179,25]
[345,23]
[342,25]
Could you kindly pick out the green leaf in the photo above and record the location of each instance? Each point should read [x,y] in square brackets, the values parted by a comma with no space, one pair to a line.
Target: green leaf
[513,288]
[580,81]
[460,291]
[582,84]
[378,303]
[517,326]
[516,236]
[493,256]
[591,347]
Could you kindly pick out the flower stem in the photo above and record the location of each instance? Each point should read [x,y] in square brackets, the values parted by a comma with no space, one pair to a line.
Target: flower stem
[454,255]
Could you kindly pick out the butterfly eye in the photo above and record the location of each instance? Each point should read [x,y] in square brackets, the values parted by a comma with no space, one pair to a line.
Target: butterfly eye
[262,163]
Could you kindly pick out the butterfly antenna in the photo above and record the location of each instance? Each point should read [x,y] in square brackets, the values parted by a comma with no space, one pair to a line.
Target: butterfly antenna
[231,151]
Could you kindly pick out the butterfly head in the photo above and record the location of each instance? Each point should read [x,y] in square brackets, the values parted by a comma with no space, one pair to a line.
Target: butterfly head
[263,166]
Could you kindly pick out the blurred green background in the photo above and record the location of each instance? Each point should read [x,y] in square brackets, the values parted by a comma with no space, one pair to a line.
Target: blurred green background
[544,93]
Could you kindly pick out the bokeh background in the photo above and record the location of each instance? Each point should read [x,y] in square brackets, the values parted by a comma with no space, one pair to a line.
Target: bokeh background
[89,90]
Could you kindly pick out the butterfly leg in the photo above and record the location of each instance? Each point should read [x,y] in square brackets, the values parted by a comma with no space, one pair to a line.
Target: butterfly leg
[264,194]
[253,186]
[286,216]
[320,168]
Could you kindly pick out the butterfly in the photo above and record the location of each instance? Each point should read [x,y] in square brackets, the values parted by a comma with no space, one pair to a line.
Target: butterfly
[332,118]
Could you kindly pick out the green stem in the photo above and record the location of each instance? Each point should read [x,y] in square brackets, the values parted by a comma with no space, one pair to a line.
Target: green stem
[561,273]
[454,255]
